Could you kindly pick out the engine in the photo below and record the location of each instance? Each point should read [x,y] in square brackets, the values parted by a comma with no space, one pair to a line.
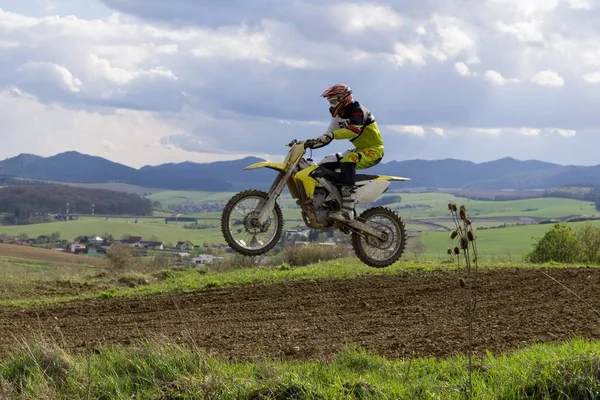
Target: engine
[322,205]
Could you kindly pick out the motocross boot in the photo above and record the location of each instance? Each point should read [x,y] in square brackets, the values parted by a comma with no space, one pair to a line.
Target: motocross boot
[348,200]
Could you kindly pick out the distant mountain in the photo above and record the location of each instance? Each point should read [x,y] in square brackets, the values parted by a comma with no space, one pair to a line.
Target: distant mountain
[70,166]
[505,173]
[216,176]
[74,167]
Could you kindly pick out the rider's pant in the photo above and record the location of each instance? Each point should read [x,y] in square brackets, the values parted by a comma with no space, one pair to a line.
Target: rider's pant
[351,160]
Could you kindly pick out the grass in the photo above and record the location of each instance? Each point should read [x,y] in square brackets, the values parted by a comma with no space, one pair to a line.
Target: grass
[509,243]
[90,283]
[542,207]
[146,227]
[159,369]
[188,280]
[32,253]
[181,197]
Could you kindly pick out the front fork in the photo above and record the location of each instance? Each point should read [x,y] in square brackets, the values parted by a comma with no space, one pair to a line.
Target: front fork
[266,208]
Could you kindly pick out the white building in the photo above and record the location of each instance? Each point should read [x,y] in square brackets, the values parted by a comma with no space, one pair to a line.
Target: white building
[205,259]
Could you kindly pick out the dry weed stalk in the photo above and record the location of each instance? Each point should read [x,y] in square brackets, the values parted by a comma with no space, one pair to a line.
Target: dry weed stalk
[465,244]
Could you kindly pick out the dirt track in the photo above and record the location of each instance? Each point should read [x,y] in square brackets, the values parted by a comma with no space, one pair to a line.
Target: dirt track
[401,316]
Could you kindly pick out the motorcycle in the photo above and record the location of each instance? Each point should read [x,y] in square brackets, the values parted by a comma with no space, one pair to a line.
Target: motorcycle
[252,221]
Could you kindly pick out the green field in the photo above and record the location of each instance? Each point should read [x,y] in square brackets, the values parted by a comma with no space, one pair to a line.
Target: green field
[542,207]
[146,227]
[176,197]
[507,244]
[512,241]
[438,202]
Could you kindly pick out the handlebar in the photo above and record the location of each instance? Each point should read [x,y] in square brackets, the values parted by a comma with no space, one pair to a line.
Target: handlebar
[307,143]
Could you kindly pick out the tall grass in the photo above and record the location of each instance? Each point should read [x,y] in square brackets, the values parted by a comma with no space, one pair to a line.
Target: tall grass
[160,370]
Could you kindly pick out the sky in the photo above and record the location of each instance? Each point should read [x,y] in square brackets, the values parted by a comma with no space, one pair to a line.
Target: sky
[146,82]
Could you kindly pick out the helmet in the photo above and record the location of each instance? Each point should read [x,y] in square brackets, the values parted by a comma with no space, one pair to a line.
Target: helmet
[339,96]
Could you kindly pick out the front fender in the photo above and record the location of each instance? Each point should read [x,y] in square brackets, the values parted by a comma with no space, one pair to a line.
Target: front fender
[277,166]
[390,178]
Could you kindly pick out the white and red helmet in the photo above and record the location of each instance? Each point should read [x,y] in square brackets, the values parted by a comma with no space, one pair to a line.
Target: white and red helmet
[339,96]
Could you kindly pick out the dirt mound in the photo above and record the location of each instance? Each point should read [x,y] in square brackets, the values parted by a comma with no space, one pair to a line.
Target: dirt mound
[396,316]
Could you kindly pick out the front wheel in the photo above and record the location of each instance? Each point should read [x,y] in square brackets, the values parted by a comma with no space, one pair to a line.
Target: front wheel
[240,226]
[375,252]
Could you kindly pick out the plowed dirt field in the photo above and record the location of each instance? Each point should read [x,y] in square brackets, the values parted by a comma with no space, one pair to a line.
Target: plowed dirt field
[396,316]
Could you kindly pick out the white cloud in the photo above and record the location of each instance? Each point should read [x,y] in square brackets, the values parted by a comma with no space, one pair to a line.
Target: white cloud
[548,78]
[416,130]
[486,131]
[123,76]
[497,78]
[528,7]
[408,129]
[565,132]
[352,18]
[439,132]
[473,60]
[525,131]
[462,69]
[39,71]
[414,54]
[127,136]
[524,31]
[455,39]
[592,77]
[581,4]
[224,77]
[530,131]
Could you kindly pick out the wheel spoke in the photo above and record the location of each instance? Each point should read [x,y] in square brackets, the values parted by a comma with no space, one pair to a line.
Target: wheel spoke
[380,252]
[244,231]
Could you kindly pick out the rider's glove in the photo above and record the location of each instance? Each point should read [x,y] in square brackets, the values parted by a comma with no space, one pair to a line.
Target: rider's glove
[321,141]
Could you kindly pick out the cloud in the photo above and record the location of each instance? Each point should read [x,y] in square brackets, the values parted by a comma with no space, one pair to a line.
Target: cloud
[565,132]
[530,131]
[527,8]
[497,78]
[216,78]
[351,18]
[592,77]
[39,72]
[462,69]
[131,137]
[524,31]
[416,130]
[407,129]
[581,4]
[548,78]
[439,132]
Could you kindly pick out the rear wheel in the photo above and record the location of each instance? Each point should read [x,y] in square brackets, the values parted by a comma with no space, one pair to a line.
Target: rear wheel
[240,226]
[375,252]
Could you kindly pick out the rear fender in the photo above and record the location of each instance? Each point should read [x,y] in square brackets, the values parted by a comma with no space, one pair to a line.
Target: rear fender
[369,191]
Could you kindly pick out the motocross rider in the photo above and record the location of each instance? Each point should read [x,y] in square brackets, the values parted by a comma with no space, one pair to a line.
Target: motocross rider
[353,121]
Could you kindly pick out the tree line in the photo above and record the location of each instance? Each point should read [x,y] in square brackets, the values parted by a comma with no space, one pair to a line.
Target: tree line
[23,202]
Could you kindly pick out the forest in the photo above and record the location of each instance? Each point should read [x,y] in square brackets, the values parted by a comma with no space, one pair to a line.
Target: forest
[24,202]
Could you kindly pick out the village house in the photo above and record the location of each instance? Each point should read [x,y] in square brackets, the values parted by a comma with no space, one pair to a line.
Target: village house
[150,245]
[131,240]
[184,245]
